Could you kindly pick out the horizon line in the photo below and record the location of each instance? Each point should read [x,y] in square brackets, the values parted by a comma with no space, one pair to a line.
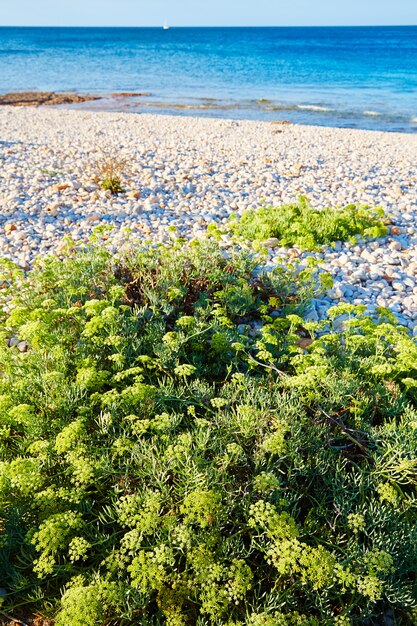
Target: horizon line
[211,26]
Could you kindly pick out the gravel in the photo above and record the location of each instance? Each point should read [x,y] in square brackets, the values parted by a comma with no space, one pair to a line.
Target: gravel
[190,172]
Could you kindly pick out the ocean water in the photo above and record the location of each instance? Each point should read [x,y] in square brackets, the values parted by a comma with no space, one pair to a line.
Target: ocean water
[359,77]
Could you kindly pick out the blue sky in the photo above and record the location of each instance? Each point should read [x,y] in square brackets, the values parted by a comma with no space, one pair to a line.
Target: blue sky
[206,12]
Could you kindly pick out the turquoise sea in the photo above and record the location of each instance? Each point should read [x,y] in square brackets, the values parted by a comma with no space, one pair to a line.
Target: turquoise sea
[362,77]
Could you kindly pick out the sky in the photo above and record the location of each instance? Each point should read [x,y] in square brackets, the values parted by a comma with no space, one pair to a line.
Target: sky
[206,12]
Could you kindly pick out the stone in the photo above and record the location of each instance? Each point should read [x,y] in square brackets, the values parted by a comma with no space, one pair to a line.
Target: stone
[35,98]
[304,343]
[61,187]
[272,242]
[337,291]
[394,230]
[312,315]
[395,246]
[342,260]
[9,228]
[134,195]
[293,253]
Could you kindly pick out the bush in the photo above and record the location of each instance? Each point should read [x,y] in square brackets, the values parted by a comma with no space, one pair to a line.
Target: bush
[112,184]
[307,228]
[110,171]
[171,454]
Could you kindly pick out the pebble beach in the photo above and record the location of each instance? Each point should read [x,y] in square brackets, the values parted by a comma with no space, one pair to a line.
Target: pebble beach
[187,173]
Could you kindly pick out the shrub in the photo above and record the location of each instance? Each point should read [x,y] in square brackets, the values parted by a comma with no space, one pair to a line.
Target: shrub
[307,228]
[170,454]
[112,184]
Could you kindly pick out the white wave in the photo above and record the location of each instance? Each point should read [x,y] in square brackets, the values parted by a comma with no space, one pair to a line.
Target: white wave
[312,107]
[413,120]
[372,113]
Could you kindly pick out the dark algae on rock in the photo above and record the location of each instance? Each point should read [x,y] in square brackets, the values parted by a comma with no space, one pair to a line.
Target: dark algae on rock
[37,98]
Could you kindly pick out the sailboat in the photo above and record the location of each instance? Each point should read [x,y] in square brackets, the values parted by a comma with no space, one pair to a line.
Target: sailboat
[165,26]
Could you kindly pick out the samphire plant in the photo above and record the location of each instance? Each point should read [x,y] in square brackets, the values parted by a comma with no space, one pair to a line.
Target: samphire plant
[300,225]
[172,453]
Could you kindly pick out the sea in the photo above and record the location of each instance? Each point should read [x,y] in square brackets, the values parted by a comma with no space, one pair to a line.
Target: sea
[355,77]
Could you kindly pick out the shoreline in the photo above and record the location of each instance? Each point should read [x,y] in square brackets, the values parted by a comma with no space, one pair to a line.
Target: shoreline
[255,109]
[188,172]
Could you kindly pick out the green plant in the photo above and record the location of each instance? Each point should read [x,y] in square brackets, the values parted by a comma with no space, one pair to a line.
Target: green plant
[170,454]
[307,228]
[112,184]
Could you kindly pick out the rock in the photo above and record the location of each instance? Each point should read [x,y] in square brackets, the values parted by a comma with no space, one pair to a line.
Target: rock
[340,322]
[394,230]
[134,195]
[408,303]
[342,260]
[390,260]
[312,315]
[131,94]
[52,209]
[272,242]
[293,253]
[395,245]
[337,292]
[304,343]
[9,228]
[35,98]
[368,256]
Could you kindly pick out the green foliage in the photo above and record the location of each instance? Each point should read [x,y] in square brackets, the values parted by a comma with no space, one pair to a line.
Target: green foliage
[170,454]
[113,184]
[307,228]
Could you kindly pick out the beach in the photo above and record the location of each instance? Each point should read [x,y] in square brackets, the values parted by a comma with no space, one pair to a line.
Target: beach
[187,173]
[208,314]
